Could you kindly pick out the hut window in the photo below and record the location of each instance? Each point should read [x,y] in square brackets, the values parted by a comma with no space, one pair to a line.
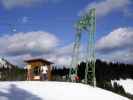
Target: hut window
[37,71]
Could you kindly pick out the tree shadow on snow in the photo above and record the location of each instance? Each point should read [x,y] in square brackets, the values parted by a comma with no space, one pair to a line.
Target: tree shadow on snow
[15,93]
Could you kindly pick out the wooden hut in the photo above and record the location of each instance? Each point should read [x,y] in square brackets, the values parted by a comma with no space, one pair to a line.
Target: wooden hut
[34,68]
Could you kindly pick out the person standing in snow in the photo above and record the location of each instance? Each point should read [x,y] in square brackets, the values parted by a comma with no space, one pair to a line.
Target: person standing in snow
[29,72]
[44,71]
[73,77]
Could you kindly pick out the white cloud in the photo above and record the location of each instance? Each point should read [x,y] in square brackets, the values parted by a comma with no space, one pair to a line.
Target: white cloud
[19,60]
[9,4]
[60,60]
[30,42]
[25,19]
[123,56]
[106,6]
[119,38]
[128,12]
[60,56]
[117,45]
[20,46]
[54,1]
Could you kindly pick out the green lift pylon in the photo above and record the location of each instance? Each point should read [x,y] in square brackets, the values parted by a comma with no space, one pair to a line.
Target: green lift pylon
[87,23]
[75,56]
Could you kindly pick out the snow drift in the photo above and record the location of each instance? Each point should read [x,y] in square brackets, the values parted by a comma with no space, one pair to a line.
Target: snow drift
[126,84]
[35,90]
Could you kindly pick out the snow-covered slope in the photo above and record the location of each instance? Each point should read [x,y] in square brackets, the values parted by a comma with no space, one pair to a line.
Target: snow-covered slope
[36,90]
[126,84]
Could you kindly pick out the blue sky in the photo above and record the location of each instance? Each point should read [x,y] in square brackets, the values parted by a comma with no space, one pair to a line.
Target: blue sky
[51,22]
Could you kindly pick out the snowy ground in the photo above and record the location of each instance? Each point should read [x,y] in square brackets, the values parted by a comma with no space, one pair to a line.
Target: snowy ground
[126,84]
[53,91]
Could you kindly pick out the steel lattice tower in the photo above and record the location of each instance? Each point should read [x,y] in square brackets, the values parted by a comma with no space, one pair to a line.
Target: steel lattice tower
[75,56]
[86,23]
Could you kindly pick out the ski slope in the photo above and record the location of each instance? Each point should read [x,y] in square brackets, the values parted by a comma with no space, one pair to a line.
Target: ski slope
[126,84]
[36,90]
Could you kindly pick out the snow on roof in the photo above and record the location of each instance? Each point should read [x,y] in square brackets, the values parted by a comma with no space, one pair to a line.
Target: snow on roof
[35,90]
